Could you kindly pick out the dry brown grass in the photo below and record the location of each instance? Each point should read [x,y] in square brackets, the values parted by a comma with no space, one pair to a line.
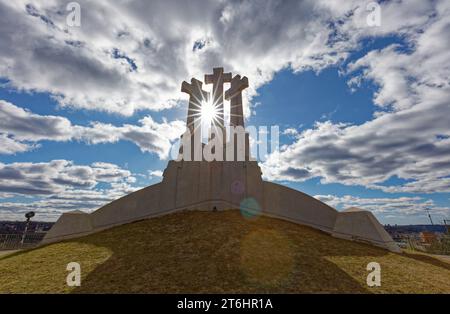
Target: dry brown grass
[218,252]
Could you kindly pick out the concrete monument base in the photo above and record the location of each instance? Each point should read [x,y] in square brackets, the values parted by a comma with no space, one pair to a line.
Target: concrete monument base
[223,185]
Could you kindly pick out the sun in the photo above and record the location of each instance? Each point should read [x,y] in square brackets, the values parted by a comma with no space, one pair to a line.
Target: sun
[208,112]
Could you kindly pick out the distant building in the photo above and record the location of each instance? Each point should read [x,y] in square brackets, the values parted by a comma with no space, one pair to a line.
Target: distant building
[427,237]
[18,227]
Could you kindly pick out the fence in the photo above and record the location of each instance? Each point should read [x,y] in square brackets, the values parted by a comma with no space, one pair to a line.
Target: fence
[14,241]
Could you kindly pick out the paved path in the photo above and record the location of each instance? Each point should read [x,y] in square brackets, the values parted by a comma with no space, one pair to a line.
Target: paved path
[444,258]
[4,253]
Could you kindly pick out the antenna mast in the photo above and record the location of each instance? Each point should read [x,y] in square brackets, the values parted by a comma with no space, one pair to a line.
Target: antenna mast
[429,216]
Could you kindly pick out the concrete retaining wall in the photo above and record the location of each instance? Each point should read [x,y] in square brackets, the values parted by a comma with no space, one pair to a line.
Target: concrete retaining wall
[283,202]
[361,225]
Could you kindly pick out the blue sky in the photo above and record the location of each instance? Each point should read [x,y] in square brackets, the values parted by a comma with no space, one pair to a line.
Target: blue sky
[85,123]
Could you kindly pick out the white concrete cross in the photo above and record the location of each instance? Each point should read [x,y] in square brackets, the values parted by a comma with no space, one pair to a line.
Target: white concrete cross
[196,97]
[218,78]
[234,95]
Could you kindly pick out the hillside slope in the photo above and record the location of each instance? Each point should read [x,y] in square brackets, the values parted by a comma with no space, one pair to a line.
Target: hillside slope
[218,252]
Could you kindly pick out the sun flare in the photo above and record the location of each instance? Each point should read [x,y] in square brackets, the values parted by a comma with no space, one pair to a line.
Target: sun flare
[208,112]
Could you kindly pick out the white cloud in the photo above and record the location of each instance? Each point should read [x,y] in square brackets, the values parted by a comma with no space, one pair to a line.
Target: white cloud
[155,173]
[290,132]
[25,125]
[408,139]
[134,54]
[49,208]
[390,207]
[127,56]
[60,185]
[10,146]
[20,129]
[149,136]
[92,67]
[56,176]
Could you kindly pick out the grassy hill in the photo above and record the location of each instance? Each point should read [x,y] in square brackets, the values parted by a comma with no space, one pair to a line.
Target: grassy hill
[218,252]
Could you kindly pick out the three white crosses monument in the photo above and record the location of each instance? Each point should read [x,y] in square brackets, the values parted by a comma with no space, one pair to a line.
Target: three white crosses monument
[221,175]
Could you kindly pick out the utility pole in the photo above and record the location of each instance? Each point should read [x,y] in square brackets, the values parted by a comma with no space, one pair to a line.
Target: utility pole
[429,216]
[447,228]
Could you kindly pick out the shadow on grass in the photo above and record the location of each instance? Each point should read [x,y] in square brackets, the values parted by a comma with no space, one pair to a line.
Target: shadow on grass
[428,259]
[223,252]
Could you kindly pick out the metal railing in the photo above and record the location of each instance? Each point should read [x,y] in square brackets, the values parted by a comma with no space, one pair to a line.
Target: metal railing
[18,241]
